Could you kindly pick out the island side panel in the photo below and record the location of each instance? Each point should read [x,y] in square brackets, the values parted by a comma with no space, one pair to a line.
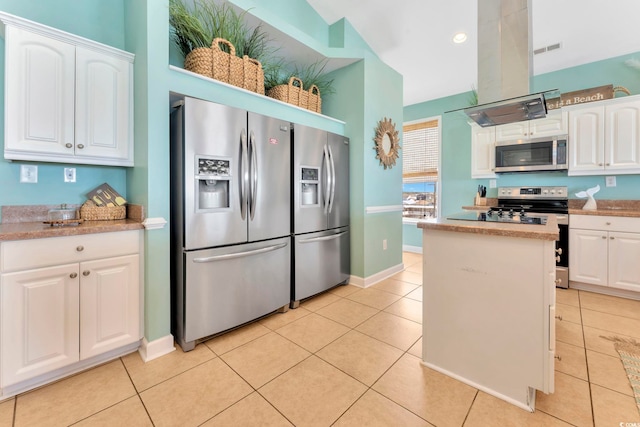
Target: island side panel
[488,311]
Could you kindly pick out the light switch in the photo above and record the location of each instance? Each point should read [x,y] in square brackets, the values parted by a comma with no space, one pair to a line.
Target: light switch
[29,174]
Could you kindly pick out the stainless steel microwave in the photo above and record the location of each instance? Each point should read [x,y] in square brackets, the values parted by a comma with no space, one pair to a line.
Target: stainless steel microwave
[540,154]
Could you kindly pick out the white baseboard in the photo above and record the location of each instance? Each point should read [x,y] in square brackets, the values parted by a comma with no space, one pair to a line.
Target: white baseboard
[156,348]
[414,249]
[375,278]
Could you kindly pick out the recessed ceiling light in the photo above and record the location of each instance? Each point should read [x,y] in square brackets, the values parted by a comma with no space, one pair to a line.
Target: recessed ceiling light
[459,38]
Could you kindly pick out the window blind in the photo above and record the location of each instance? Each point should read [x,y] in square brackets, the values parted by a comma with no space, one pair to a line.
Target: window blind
[420,152]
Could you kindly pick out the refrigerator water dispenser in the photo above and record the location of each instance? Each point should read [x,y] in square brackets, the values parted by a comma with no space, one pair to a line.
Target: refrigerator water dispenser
[213,183]
[309,186]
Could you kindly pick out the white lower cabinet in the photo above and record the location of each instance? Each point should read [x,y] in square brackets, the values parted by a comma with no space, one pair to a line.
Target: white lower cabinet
[605,251]
[53,316]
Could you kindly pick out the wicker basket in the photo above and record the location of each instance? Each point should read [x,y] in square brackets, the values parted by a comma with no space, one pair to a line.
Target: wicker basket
[291,93]
[315,102]
[90,212]
[213,62]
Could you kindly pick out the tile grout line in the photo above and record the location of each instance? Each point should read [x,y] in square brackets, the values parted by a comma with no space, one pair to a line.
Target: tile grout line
[586,360]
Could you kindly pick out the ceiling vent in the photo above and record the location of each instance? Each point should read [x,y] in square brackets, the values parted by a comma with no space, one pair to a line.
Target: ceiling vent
[549,48]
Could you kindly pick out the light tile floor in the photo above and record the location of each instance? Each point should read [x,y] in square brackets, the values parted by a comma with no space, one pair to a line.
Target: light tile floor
[349,357]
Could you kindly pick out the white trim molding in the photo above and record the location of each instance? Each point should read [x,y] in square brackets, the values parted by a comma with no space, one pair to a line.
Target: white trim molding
[154,223]
[156,348]
[413,249]
[383,209]
[375,278]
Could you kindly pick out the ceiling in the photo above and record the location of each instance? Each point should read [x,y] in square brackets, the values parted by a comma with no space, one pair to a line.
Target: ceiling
[414,37]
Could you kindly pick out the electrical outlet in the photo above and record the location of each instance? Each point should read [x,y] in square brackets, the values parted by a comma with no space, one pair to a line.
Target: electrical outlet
[69,174]
[384,244]
[29,174]
[492,183]
[610,181]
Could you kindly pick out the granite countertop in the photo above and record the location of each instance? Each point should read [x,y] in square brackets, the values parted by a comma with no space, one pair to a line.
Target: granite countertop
[549,231]
[628,208]
[27,222]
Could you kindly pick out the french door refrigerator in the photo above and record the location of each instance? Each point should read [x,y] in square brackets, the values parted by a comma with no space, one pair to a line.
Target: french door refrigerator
[320,212]
[230,218]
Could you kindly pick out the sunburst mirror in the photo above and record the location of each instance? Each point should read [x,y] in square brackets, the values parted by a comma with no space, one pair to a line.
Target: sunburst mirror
[387,143]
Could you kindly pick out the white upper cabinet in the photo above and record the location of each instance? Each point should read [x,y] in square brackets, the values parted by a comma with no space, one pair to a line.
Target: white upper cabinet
[554,124]
[604,138]
[67,99]
[483,152]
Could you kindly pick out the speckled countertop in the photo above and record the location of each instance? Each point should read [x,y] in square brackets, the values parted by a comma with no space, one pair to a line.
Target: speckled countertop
[549,231]
[628,208]
[26,222]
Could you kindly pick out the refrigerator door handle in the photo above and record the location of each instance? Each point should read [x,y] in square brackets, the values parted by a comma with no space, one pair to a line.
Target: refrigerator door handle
[324,238]
[327,182]
[333,179]
[253,185]
[240,254]
[244,174]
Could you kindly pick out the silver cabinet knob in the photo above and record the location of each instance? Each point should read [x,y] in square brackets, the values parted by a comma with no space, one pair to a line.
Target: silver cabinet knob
[86,273]
[600,164]
[557,356]
[608,223]
[612,238]
[559,317]
[607,164]
[604,237]
[558,259]
[559,251]
[68,145]
[558,281]
[80,248]
[80,146]
[73,275]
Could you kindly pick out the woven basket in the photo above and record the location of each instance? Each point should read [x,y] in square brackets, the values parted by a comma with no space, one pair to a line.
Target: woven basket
[213,62]
[291,93]
[315,102]
[90,212]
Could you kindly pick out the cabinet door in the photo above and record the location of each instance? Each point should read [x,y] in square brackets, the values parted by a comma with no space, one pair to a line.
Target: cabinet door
[109,304]
[622,139]
[588,256]
[103,107]
[624,253]
[39,99]
[512,131]
[586,141]
[483,152]
[552,125]
[39,321]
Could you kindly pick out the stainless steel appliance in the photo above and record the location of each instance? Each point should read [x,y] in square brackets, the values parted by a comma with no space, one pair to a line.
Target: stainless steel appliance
[540,154]
[536,201]
[230,218]
[320,212]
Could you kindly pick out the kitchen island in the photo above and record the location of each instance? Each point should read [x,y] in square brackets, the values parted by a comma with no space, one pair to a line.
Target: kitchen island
[489,305]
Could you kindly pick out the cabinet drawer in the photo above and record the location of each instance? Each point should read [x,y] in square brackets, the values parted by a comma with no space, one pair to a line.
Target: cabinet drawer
[605,223]
[25,254]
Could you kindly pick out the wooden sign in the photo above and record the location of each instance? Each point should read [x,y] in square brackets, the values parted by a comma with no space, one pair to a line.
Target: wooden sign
[580,97]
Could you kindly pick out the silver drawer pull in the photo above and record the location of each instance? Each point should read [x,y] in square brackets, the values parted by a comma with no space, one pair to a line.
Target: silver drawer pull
[80,146]
[73,275]
[86,273]
[557,356]
[80,248]
[68,145]
[559,317]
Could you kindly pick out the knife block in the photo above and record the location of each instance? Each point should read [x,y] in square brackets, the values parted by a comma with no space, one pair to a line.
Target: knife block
[480,201]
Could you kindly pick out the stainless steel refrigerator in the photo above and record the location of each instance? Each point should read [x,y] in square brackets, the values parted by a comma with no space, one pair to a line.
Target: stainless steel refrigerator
[230,218]
[320,212]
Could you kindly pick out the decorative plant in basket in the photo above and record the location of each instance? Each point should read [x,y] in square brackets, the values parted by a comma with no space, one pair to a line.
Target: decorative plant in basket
[217,43]
[298,85]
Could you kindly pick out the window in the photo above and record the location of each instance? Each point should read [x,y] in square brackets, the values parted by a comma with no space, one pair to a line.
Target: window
[420,159]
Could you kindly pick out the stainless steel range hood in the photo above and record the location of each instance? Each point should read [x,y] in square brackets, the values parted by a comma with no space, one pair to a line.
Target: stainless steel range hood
[505,63]
[512,110]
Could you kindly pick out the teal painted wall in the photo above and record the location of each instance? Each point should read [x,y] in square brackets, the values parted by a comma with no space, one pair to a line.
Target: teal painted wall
[51,188]
[458,188]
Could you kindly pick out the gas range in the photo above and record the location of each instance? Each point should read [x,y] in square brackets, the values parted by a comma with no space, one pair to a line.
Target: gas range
[501,216]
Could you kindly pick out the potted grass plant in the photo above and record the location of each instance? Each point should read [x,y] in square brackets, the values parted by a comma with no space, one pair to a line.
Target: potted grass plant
[216,42]
[300,85]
